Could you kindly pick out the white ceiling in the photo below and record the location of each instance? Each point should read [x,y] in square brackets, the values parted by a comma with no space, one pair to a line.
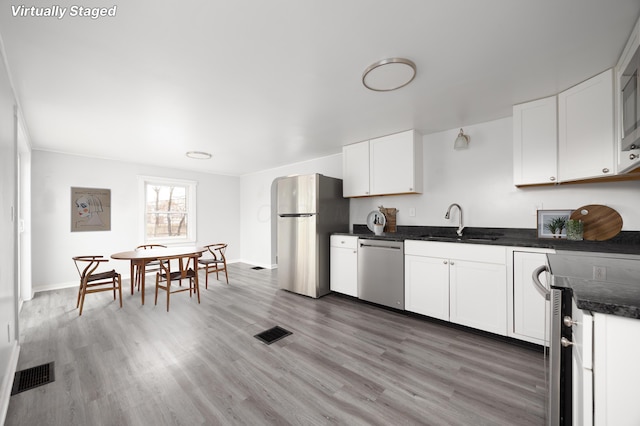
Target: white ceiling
[265,83]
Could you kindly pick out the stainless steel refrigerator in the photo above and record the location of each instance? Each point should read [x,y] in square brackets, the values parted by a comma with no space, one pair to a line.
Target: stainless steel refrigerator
[310,209]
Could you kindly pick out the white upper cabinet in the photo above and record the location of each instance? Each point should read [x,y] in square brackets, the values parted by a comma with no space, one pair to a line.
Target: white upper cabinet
[387,165]
[535,142]
[586,129]
[355,170]
[395,165]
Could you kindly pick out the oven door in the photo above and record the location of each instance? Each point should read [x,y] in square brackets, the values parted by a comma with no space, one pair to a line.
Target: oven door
[559,377]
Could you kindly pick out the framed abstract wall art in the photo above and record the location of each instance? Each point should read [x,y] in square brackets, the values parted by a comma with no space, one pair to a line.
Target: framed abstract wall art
[90,209]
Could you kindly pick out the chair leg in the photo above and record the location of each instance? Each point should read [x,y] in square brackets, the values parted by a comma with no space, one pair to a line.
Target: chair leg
[206,277]
[226,274]
[157,285]
[168,293]
[84,292]
[197,285]
[79,293]
[120,289]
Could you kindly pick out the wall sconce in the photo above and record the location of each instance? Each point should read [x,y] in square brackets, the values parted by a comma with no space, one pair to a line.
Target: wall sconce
[462,141]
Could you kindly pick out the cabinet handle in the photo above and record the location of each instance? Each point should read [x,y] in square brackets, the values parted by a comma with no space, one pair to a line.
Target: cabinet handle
[632,146]
[410,189]
[565,342]
[452,263]
[445,262]
[633,156]
[552,178]
[605,170]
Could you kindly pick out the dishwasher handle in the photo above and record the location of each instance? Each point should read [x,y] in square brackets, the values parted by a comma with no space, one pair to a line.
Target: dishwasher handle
[535,276]
[380,246]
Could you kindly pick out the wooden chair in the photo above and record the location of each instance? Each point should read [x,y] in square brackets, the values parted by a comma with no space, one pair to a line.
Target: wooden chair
[94,282]
[214,261]
[152,266]
[187,268]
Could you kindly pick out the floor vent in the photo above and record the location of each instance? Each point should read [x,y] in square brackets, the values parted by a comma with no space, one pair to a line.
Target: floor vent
[272,335]
[33,377]
[257,268]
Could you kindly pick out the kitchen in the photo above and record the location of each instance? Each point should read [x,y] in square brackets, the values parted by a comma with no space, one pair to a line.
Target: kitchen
[479,179]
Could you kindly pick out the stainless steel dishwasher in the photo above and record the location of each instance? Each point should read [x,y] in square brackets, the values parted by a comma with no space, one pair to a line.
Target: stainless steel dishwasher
[381,272]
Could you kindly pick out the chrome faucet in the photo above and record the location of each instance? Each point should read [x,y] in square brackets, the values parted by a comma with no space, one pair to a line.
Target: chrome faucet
[460,226]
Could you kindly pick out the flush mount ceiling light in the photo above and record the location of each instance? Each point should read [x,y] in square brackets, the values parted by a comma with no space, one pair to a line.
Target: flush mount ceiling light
[198,155]
[462,141]
[389,74]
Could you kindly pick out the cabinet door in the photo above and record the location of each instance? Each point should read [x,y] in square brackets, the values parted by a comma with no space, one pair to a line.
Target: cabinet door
[478,295]
[427,286]
[529,306]
[344,268]
[396,164]
[355,170]
[535,142]
[616,370]
[585,129]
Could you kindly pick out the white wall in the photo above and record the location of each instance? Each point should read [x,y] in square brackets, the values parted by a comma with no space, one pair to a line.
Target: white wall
[480,179]
[9,347]
[255,207]
[53,175]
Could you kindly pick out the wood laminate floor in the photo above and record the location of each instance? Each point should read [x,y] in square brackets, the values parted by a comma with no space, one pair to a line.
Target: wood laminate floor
[346,363]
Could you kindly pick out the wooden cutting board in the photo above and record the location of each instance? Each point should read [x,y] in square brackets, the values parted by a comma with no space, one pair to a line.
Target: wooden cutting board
[600,222]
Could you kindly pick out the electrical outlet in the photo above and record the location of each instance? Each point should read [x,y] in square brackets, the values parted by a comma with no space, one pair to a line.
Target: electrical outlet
[599,273]
[412,212]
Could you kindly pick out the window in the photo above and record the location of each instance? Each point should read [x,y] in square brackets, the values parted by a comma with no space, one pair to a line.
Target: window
[168,210]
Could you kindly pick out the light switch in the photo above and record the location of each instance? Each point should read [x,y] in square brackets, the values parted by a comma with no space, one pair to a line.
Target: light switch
[412,212]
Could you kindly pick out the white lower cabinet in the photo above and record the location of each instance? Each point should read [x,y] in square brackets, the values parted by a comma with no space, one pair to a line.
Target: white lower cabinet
[427,286]
[616,370]
[344,264]
[461,283]
[527,307]
[478,295]
[582,367]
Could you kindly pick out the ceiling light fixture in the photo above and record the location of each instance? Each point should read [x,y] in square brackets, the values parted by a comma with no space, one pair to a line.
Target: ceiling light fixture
[198,155]
[389,74]
[462,141]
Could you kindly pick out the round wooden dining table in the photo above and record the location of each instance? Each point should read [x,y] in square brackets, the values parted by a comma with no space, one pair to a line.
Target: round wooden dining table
[140,258]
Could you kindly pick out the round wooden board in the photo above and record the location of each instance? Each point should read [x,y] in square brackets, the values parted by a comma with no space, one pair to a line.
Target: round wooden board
[600,222]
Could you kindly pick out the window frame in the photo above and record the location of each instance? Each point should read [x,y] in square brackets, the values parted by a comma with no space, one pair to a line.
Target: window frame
[143,182]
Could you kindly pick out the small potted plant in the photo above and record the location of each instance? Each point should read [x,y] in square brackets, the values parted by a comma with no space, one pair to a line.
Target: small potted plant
[556,225]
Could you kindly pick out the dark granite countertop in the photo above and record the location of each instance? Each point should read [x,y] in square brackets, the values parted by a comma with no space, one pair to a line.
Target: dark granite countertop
[603,297]
[596,296]
[625,242]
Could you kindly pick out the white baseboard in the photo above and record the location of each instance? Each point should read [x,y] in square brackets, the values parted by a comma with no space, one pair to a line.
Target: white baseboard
[7,382]
[57,286]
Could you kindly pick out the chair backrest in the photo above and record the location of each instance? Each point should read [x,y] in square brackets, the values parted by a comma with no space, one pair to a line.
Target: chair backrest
[187,266]
[217,250]
[86,265]
[150,246]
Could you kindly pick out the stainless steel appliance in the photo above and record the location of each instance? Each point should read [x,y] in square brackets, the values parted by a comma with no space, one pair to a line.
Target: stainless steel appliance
[310,208]
[580,267]
[559,378]
[630,87]
[381,272]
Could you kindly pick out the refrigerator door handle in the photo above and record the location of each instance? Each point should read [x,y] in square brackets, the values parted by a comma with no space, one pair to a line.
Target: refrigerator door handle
[297,215]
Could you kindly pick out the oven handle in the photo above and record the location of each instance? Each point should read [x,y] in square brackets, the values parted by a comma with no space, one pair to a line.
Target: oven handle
[536,281]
